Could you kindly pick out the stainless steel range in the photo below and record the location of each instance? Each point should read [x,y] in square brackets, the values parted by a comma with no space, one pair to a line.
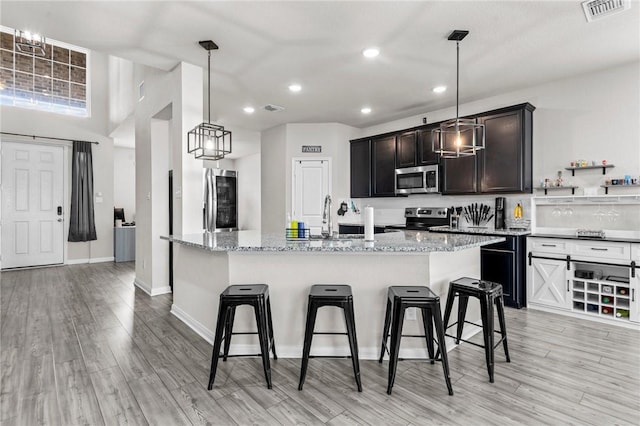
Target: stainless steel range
[421,218]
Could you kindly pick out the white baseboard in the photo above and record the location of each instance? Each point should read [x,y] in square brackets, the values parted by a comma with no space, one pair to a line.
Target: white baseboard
[161,290]
[194,324]
[142,285]
[585,316]
[151,291]
[102,259]
[89,260]
[296,352]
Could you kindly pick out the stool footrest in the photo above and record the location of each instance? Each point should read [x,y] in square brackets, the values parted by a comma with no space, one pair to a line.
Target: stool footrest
[244,332]
[474,343]
[241,355]
[329,333]
[331,356]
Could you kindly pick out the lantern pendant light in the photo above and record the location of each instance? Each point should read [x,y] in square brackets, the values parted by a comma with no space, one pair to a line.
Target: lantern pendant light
[461,137]
[209,141]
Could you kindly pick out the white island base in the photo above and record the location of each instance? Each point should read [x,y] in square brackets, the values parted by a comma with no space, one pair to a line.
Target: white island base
[201,275]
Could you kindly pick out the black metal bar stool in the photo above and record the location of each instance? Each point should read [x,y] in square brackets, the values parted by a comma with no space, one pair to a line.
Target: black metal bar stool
[399,298]
[330,295]
[488,293]
[256,295]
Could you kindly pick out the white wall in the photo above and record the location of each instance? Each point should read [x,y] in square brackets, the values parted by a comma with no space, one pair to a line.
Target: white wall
[249,188]
[93,128]
[273,169]
[590,116]
[124,181]
[280,145]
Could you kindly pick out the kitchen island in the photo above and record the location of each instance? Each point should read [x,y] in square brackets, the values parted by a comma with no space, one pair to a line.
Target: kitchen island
[205,264]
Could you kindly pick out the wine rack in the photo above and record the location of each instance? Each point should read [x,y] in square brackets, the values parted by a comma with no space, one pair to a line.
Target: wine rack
[605,296]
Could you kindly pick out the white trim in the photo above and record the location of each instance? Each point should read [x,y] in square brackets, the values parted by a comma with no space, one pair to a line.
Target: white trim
[161,290]
[89,260]
[151,291]
[193,324]
[142,285]
[296,352]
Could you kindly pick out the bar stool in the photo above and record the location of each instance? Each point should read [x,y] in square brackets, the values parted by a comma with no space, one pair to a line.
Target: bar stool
[399,298]
[256,295]
[330,295]
[488,293]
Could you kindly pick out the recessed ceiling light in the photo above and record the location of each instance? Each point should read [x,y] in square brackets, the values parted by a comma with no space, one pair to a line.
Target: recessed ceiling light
[295,87]
[248,110]
[371,52]
[439,89]
[365,110]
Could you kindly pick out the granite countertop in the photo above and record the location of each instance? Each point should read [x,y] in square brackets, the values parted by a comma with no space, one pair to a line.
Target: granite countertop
[481,231]
[614,239]
[391,242]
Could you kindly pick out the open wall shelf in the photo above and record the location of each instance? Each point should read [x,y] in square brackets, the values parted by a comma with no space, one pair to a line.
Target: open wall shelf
[604,168]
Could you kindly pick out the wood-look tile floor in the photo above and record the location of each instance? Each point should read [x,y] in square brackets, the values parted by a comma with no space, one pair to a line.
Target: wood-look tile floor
[80,345]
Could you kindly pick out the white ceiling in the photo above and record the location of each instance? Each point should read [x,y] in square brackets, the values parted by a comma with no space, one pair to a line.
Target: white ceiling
[266,45]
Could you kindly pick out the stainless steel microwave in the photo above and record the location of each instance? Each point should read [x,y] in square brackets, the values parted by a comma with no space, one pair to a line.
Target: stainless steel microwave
[417,180]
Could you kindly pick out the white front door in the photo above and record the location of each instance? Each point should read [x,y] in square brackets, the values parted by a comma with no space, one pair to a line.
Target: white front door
[32,203]
[311,184]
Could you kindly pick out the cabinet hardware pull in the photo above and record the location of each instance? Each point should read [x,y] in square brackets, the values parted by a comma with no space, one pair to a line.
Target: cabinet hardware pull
[567,286]
[633,294]
[599,249]
[548,245]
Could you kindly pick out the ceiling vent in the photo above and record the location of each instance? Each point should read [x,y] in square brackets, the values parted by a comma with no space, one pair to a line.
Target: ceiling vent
[273,108]
[598,9]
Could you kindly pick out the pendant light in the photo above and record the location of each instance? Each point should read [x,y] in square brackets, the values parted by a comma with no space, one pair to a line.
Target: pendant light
[209,141]
[458,138]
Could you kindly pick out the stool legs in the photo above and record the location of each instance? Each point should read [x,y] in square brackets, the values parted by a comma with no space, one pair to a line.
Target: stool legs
[261,320]
[396,337]
[486,312]
[442,346]
[428,331]
[271,339]
[385,331]
[312,310]
[220,326]
[350,321]
[463,301]
[227,332]
[503,329]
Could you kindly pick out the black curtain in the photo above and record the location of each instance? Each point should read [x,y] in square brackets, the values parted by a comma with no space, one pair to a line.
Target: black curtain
[82,226]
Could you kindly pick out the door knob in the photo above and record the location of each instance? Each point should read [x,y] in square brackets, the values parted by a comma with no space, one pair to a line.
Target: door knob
[59,219]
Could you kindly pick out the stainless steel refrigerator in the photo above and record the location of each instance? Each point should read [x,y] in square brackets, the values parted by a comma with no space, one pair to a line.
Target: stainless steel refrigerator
[220,200]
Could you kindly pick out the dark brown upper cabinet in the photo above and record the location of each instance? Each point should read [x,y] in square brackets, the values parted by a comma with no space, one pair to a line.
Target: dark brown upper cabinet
[383,162]
[459,175]
[406,153]
[505,163]
[360,168]
[426,155]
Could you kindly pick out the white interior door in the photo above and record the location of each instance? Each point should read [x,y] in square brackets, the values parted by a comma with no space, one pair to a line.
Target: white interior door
[311,183]
[32,193]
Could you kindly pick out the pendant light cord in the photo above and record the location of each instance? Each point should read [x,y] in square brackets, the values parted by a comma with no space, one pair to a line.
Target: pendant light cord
[209,86]
[457,78]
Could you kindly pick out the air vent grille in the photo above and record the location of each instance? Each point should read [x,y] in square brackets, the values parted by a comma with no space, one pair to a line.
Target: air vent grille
[273,108]
[598,9]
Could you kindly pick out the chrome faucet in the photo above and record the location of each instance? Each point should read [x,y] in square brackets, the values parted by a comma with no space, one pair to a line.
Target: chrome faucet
[326,218]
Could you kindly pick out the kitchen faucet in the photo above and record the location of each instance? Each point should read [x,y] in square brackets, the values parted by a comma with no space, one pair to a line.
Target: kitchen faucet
[326,218]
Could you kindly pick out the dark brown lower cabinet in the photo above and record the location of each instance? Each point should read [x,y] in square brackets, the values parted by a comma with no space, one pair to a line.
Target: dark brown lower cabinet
[505,263]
